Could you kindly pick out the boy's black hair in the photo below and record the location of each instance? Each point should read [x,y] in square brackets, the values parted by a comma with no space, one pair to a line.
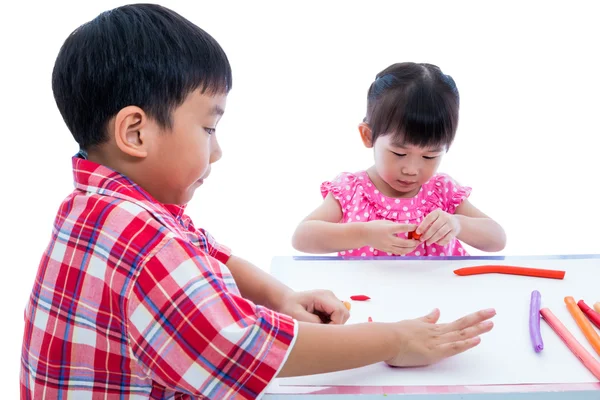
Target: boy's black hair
[143,55]
[415,102]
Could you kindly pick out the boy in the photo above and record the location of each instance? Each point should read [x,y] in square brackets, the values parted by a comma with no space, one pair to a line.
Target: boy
[131,301]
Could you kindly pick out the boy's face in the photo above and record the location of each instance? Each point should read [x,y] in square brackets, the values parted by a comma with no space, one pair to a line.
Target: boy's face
[180,159]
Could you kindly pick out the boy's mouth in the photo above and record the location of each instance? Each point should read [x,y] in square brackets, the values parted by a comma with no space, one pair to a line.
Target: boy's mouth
[201,180]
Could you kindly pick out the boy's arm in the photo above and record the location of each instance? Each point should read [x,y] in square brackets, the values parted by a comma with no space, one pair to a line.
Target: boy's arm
[253,283]
[410,343]
[478,230]
[321,232]
[263,289]
[192,332]
[256,285]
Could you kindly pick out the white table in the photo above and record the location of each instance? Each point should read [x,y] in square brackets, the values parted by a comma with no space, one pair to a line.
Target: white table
[408,287]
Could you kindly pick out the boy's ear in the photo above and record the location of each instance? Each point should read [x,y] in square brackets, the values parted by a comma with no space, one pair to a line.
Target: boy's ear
[366,134]
[130,126]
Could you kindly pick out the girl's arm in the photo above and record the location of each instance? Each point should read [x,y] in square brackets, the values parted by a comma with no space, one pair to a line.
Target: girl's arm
[321,232]
[478,230]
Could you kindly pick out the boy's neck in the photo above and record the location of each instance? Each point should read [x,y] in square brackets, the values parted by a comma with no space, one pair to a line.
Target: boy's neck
[103,156]
[97,157]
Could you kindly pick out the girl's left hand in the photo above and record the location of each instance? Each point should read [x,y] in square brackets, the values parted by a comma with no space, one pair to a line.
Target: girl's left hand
[438,227]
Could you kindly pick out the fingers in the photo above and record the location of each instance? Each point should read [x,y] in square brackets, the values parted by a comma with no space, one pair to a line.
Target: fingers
[468,321]
[402,228]
[400,246]
[446,239]
[305,316]
[445,230]
[432,317]
[405,243]
[403,250]
[427,221]
[432,230]
[451,349]
[467,333]
[339,317]
[326,302]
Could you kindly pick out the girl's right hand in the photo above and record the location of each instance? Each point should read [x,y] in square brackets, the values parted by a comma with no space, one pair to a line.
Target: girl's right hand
[423,342]
[382,235]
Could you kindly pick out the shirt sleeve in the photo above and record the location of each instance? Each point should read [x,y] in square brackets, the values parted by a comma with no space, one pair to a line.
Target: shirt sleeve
[452,193]
[208,242]
[215,249]
[342,188]
[196,337]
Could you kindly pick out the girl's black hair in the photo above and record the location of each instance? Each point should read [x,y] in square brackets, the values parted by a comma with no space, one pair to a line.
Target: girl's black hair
[416,102]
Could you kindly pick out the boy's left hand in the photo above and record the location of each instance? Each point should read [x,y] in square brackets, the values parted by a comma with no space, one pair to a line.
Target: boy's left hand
[439,227]
[304,306]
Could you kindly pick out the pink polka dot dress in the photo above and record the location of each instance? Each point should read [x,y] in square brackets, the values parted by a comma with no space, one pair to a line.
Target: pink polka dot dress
[361,202]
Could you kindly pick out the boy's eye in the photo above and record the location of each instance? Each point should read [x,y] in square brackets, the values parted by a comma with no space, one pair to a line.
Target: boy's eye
[398,154]
[210,131]
[430,157]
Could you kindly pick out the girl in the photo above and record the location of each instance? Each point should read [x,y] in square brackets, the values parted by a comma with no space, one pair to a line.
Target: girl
[401,205]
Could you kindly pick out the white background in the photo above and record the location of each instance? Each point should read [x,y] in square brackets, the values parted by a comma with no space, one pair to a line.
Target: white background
[528,74]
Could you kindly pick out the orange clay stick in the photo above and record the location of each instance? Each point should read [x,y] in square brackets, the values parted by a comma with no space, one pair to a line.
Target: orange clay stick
[583,323]
[504,269]
[597,306]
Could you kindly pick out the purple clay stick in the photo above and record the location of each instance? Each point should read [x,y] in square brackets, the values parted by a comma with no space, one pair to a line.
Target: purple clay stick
[534,321]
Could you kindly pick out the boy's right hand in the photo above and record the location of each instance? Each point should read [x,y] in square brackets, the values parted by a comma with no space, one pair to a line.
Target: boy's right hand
[382,235]
[423,342]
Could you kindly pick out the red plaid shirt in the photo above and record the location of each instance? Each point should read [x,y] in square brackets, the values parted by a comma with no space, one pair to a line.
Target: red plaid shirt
[131,301]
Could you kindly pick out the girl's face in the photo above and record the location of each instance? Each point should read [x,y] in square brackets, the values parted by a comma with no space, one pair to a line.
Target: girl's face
[401,169]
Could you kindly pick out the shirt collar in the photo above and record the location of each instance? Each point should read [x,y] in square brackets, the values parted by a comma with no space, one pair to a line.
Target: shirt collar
[96,178]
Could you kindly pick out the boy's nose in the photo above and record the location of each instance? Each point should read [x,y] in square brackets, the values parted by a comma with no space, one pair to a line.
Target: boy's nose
[216,152]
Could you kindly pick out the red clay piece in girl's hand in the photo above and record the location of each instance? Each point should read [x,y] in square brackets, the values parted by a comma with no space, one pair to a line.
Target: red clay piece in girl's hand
[414,235]
[360,297]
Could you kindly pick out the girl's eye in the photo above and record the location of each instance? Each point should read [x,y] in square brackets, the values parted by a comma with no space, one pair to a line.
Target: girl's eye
[210,131]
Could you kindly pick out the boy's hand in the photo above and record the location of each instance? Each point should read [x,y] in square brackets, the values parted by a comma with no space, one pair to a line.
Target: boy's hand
[382,235]
[423,342]
[307,306]
[439,227]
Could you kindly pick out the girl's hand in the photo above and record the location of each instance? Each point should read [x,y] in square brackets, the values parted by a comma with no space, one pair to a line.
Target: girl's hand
[382,235]
[439,227]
